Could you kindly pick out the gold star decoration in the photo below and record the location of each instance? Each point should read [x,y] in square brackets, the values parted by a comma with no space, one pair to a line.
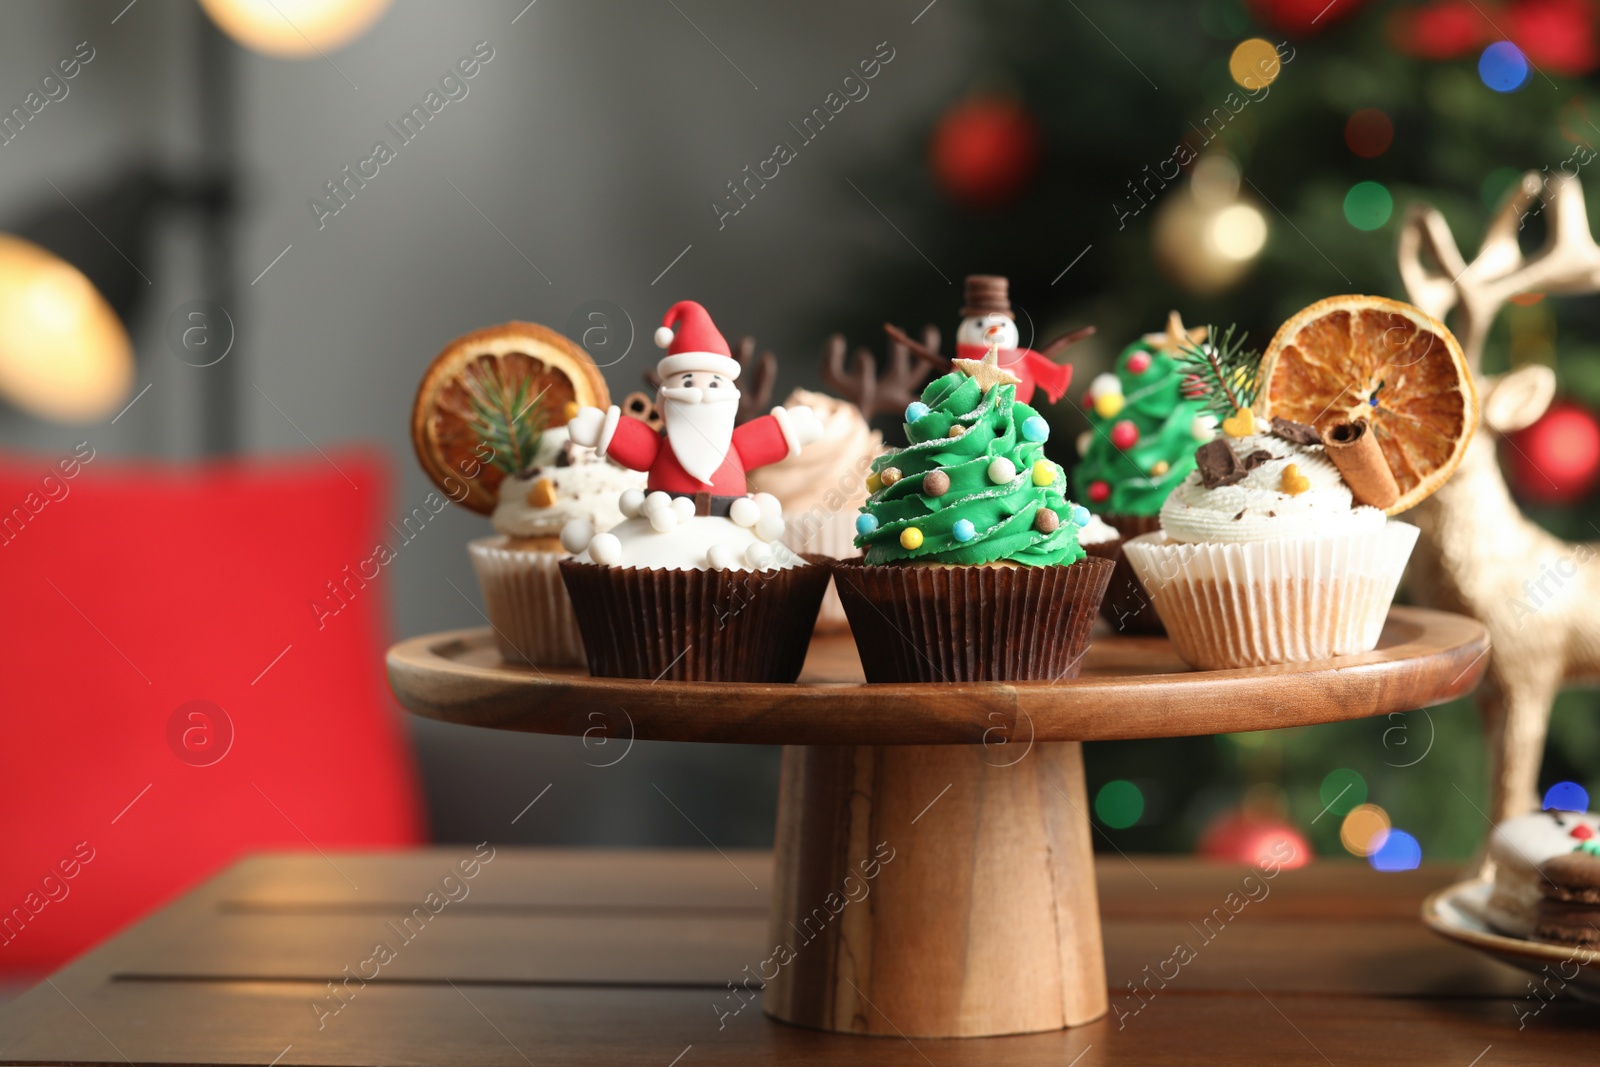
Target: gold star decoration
[987,372]
[1176,339]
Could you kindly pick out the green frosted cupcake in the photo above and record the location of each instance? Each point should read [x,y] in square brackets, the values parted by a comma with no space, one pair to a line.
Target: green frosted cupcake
[1144,426]
[972,567]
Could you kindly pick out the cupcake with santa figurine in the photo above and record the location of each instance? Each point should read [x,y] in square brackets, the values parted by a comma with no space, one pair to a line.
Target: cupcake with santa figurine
[695,584]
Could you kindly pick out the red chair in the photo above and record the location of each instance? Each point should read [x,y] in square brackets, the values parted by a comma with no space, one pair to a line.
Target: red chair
[191,668]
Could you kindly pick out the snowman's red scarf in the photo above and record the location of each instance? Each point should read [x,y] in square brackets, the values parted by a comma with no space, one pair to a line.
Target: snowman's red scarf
[1034,368]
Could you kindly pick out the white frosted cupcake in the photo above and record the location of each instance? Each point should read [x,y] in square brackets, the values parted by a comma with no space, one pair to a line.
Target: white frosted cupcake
[1264,557]
[519,568]
[822,488]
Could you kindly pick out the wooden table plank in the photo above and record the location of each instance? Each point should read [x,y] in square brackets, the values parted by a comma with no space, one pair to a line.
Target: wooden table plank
[577,956]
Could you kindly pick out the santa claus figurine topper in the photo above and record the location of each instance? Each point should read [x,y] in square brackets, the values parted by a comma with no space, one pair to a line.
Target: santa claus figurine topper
[987,321]
[697,461]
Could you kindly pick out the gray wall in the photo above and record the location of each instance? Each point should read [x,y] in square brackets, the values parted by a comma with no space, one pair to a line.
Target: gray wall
[593,141]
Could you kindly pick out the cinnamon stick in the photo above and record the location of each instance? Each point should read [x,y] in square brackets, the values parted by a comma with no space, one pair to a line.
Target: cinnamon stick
[1354,450]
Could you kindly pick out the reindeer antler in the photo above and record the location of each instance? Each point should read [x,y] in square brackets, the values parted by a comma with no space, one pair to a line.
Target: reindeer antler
[861,384]
[1568,262]
[755,382]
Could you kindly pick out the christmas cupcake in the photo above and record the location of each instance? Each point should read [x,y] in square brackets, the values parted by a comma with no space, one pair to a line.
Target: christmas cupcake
[972,568]
[1144,424]
[821,488]
[488,426]
[1264,553]
[694,584]
[1516,849]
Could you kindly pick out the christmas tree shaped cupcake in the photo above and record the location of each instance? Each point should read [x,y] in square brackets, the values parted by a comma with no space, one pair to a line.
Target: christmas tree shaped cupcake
[972,568]
[1145,420]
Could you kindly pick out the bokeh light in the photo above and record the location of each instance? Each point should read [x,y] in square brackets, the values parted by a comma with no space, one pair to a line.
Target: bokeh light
[1119,804]
[1399,851]
[1369,133]
[294,29]
[1342,791]
[1364,830]
[1238,232]
[1566,796]
[1254,63]
[1368,205]
[1503,67]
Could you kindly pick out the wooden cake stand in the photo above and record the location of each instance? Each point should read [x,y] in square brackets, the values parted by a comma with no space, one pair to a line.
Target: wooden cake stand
[934,849]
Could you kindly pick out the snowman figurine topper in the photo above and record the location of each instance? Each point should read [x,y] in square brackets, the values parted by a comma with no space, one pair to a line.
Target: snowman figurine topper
[988,322]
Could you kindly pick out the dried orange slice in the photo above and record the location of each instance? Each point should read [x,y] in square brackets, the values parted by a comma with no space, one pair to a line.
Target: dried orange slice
[515,360]
[1350,357]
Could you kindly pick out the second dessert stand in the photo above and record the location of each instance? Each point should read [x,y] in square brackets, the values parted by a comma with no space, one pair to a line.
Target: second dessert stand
[934,851]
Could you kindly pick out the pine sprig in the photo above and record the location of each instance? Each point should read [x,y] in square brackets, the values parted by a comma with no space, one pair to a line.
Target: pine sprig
[507,419]
[1228,373]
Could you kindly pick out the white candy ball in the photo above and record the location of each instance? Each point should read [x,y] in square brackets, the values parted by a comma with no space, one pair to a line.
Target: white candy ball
[770,528]
[605,549]
[1002,471]
[744,511]
[1204,428]
[758,556]
[1103,384]
[684,506]
[1085,439]
[631,502]
[655,502]
[663,520]
[721,558]
[576,535]
[769,504]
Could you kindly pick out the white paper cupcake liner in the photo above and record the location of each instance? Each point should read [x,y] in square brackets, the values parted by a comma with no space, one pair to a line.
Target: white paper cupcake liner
[527,604]
[834,536]
[1247,605]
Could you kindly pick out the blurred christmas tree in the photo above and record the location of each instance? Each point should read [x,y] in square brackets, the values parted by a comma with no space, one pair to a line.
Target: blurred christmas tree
[1238,161]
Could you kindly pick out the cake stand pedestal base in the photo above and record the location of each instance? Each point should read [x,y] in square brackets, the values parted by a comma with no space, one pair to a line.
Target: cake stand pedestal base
[935,891]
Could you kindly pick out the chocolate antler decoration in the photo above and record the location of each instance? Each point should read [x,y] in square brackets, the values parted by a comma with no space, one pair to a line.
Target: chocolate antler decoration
[755,381]
[861,384]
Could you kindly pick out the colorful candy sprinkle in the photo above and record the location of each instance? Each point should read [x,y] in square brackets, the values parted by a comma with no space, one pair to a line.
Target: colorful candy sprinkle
[866,524]
[935,483]
[1241,423]
[1034,428]
[889,475]
[1138,363]
[1203,428]
[911,538]
[1159,467]
[1046,521]
[915,410]
[1002,470]
[1080,515]
[1294,483]
[1124,434]
[874,482]
[1099,492]
[956,430]
[963,530]
[1044,472]
[1108,405]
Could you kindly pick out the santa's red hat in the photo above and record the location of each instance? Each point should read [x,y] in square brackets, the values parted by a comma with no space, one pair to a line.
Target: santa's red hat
[697,346]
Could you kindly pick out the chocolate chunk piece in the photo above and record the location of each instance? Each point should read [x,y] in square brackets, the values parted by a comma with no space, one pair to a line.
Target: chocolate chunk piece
[1218,465]
[1256,459]
[1297,433]
[1239,516]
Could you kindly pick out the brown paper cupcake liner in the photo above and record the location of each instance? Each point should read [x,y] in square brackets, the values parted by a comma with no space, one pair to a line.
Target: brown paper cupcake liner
[693,625]
[971,624]
[527,604]
[1128,606]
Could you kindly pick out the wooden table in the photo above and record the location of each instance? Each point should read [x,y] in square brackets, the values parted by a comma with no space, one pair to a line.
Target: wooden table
[555,957]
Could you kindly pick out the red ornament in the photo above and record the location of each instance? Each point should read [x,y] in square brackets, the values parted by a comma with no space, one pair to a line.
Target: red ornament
[1369,133]
[1138,362]
[984,151]
[1193,387]
[1557,459]
[1442,30]
[1556,35]
[1582,832]
[1124,434]
[1099,492]
[1239,837]
[1301,18]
